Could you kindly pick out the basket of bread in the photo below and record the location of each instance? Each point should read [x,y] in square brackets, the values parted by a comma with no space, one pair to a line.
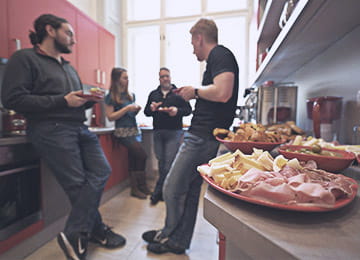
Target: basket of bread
[248,136]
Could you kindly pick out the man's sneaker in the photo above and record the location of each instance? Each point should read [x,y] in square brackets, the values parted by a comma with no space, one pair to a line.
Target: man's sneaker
[165,247]
[105,237]
[153,236]
[73,245]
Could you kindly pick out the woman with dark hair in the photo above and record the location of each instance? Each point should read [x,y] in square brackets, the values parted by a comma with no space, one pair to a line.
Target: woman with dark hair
[120,107]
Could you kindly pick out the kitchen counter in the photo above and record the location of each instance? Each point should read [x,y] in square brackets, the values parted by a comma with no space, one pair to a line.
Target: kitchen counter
[20,139]
[258,232]
[13,140]
[101,130]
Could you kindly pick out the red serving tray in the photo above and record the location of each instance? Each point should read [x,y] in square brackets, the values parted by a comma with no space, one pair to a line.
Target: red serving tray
[305,208]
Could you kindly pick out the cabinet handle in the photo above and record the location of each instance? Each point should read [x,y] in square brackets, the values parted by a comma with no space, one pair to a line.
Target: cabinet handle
[98,76]
[17,44]
[103,78]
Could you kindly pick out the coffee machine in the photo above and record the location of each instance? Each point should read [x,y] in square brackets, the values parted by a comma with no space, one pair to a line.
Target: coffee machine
[271,104]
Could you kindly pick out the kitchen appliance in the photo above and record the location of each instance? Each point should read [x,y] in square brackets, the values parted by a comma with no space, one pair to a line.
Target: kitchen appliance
[247,113]
[20,201]
[276,103]
[3,62]
[325,113]
[12,122]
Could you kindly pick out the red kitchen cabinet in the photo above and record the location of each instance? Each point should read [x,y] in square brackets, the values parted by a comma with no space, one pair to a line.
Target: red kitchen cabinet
[120,165]
[21,15]
[117,157]
[106,56]
[3,29]
[88,50]
[96,52]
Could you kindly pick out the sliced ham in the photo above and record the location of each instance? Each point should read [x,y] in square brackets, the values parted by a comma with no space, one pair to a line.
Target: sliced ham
[313,193]
[280,194]
[306,186]
[297,180]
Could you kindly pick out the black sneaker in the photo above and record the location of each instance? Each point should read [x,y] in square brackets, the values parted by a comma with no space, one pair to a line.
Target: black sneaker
[165,247]
[105,237]
[153,236]
[73,245]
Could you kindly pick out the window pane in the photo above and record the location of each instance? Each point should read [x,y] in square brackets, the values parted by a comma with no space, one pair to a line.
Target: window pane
[236,42]
[176,8]
[185,69]
[143,9]
[225,5]
[143,65]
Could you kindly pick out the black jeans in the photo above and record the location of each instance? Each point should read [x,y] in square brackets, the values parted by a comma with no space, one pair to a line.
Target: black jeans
[76,158]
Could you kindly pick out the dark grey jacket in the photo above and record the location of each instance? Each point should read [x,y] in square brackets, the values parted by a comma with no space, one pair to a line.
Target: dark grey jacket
[35,85]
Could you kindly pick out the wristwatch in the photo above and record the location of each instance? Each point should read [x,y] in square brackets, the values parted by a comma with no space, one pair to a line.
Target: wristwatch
[197,93]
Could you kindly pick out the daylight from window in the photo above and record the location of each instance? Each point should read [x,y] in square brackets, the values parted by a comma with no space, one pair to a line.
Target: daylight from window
[157,35]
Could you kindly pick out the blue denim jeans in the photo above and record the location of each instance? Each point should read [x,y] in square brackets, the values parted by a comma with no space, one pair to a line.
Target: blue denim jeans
[75,157]
[182,188]
[166,145]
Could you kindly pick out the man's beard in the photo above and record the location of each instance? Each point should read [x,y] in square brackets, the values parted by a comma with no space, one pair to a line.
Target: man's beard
[62,48]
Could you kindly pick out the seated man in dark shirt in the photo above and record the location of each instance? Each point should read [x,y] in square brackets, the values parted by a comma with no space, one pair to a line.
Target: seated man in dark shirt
[167,110]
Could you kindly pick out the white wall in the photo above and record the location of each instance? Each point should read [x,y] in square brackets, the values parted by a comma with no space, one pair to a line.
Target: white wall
[89,7]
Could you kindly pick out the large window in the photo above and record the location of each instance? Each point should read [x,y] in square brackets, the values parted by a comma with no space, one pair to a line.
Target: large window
[156,34]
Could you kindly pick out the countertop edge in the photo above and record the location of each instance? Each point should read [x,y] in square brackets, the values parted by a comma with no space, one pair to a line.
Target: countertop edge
[278,232]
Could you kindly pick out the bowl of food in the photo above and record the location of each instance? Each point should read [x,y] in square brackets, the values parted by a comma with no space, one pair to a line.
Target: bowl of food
[247,137]
[331,160]
[247,146]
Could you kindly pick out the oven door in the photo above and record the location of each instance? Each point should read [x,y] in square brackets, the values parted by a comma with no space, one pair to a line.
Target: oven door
[20,201]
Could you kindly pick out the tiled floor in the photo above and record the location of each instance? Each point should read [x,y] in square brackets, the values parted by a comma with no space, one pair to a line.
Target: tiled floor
[131,217]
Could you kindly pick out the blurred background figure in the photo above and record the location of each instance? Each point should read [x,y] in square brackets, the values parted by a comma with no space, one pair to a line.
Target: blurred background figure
[167,110]
[120,107]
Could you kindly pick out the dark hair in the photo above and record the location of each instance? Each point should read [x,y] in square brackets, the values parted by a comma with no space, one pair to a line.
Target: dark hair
[40,27]
[164,68]
[116,89]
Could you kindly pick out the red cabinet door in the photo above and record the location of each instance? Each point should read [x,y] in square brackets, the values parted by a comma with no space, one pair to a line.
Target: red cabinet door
[107,56]
[120,164]
[3,30]
[88,50]
[64,9]
[21,16]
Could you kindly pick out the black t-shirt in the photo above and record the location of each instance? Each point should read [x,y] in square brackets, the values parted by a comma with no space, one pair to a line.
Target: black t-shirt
[208,114]
[162,120]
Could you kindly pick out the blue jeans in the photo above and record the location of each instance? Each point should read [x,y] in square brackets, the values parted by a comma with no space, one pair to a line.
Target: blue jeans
[166,145]
[182,189]
[75,157]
